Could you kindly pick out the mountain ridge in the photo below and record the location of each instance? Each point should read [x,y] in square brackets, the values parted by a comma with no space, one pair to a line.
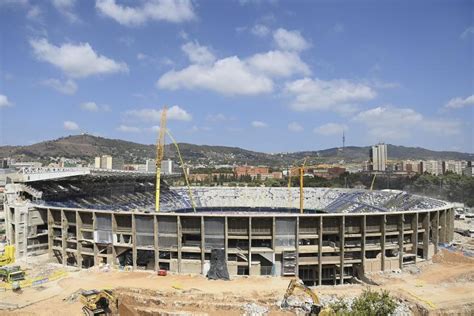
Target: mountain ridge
[86,147]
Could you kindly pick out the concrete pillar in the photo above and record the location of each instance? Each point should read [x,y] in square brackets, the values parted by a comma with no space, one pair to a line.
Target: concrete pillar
[250,245]
[50,232]
[273,233]
[156,245]
[363,235]
[442,218]
[435,228]
[426,234]
[78,238]
[450,220]
[94,229]
[320,251]
[226,238]
[134,243]
[180,236]
[297,246]
[401,220]
[383,223]
[64,227]
[414,240]
[203,243]
[114,232]
[342,234]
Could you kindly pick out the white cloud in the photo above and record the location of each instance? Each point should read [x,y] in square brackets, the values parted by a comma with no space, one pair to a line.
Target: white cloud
[330,129]
[219,117]
[66,7]
[67,87]
[260,30]
[128,129]
[392,123]
[467,32]
[338,95]
[290,40]
[94,107]
[259,124]
[198,54]
[153,115]
[230,76]
[279,63]
[295,127]
[76,60]
[175,11]
[4,102]
[457,103]
[70,126]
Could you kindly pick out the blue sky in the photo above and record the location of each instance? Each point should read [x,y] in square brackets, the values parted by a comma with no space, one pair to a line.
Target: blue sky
[272,76]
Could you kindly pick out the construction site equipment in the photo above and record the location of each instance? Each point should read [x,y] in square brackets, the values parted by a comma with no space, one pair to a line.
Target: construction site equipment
[12,274]
[373,182]
[160,151]
[314,309]
[8,256]
[97,302]
[301,174]
[162,272]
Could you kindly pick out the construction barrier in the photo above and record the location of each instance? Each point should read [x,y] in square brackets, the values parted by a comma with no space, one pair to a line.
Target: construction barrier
[36,281]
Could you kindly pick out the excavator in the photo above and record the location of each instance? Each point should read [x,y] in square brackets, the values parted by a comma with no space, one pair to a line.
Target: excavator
[98,302]
[315,309]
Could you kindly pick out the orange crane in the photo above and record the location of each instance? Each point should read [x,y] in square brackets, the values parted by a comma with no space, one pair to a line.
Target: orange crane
[160,151]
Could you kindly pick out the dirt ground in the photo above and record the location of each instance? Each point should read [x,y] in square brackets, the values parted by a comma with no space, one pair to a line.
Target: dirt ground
[444,286]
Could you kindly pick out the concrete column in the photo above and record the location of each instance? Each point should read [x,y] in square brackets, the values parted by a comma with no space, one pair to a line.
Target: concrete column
[50,232]
[382,240]
[78,237]
[320,250]
[180,236]
[64,227]
[342,234]
[134,243]
[273,233]
[435,227]
[426,234]
[401,219]
[94,229]
[415,235]
[442,219]
[250,244]
[155,242]
[226,238]
[297,246]
[363,234]
[450,220]
[203,243]
[114,233]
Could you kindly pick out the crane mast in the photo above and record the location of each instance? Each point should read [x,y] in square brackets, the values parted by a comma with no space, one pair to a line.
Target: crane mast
[160,151]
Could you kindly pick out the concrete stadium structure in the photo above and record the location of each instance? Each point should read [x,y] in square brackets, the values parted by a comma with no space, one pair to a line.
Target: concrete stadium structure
[90,220]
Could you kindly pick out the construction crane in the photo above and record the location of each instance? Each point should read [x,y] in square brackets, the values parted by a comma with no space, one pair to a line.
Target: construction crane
[160,151]
[301,174]
[314,309]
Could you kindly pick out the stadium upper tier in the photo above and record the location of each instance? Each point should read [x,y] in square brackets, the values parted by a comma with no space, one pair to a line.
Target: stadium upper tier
[137,193]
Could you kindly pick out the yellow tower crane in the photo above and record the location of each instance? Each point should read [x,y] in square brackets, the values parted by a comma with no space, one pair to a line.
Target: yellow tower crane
[301,174]
[160,151]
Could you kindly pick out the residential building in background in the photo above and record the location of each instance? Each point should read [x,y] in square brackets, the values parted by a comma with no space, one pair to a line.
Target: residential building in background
[167,167]
[108,162]
[379,157]
[150,165]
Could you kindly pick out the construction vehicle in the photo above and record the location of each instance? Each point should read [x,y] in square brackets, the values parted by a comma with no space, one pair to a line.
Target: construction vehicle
[314,308]
[98,302]
[8,256]
[12,275]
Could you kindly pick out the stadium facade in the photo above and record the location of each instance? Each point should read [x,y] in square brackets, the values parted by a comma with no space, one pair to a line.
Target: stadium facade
[92,220]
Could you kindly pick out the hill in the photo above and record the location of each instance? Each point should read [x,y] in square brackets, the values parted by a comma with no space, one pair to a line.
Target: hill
[86,147]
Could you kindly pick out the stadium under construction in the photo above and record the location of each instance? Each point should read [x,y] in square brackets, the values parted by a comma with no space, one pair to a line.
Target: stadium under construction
[109,218]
